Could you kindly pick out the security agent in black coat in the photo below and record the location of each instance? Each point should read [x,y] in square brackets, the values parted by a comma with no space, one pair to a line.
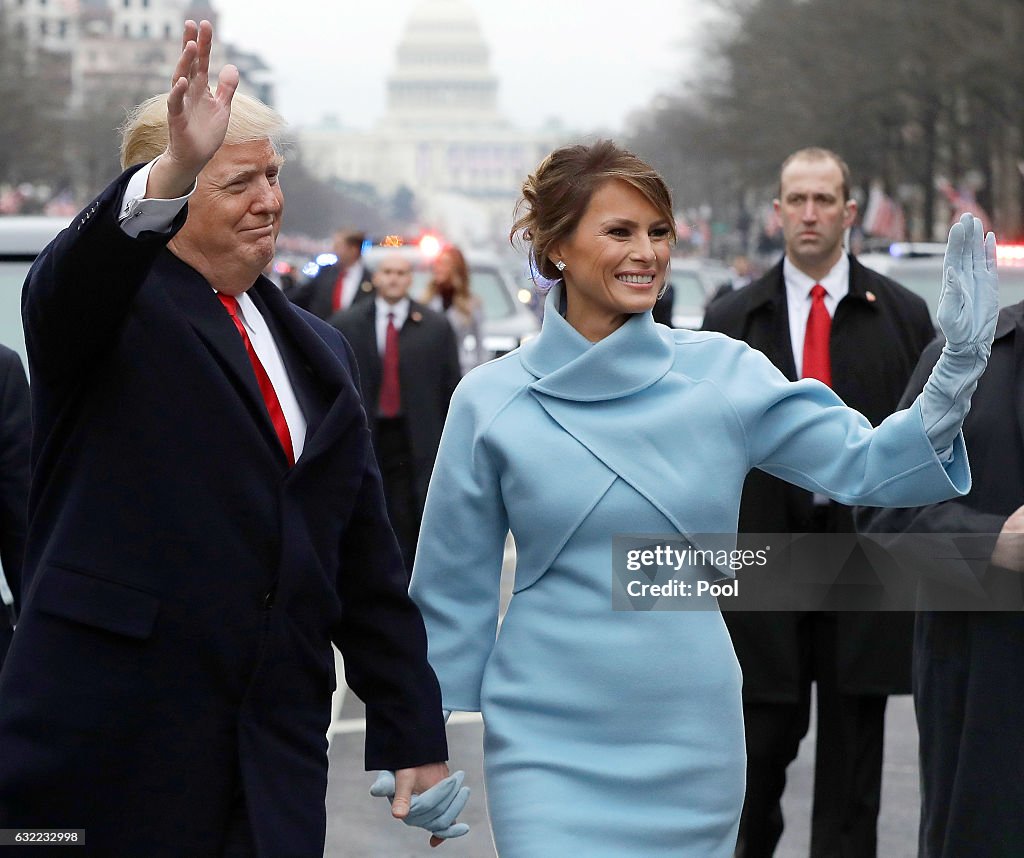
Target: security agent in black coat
[878,331]
[429,371]
[15,439]
[969,665]
[317,294]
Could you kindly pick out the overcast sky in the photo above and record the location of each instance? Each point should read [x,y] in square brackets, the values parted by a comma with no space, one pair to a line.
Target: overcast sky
[588,62]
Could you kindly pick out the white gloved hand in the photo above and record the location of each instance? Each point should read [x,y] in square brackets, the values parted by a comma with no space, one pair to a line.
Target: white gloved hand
[968,308]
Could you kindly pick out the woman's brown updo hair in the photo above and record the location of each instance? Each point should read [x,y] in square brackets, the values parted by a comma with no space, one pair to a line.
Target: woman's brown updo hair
[557,194]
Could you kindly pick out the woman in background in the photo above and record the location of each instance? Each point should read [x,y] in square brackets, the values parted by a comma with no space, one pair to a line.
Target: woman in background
[449,293]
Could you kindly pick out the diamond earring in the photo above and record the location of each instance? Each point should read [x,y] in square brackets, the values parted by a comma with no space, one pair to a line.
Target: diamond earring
[560,265]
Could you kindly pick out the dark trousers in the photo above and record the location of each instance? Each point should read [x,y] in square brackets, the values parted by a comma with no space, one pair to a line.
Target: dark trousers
[394,455]
[848,758]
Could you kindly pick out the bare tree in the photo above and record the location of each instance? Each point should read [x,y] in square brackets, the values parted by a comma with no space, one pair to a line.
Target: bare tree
[910,93]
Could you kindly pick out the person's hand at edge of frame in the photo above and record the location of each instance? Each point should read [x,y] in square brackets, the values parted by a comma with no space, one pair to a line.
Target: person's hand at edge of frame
[1009,550]
[197,119]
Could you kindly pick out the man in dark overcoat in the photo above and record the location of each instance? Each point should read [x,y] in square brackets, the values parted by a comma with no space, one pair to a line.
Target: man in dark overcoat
[15,436]
[205,518]
[969,665]
[428,371]
[819,309]
[341,285]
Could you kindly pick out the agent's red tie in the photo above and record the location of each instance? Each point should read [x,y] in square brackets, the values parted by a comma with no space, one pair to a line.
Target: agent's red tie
[817,361]
[390,402]
[262,379]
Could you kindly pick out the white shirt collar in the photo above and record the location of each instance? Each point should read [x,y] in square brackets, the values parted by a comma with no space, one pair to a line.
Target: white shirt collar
[400,309]
[799,284]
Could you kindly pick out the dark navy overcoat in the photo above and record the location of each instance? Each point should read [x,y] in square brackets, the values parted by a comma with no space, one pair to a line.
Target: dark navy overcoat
[182,584]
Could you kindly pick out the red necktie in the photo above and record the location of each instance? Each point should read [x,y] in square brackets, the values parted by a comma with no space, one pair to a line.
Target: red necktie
[390,402]
[817,361]
[339,290]
[262,379]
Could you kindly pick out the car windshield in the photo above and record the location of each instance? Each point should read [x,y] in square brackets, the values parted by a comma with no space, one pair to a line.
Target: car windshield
[687,291]
[925,278]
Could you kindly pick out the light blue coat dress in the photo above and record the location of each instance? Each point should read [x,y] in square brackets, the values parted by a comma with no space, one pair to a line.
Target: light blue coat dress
[620,733]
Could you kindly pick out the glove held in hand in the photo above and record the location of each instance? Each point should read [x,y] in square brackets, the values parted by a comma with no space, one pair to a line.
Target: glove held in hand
[434,810]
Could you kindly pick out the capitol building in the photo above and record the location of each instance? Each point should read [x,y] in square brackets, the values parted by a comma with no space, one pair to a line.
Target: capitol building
[442,136]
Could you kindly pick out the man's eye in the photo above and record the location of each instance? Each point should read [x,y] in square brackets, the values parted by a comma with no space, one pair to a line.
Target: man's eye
[272,178]
[619,232]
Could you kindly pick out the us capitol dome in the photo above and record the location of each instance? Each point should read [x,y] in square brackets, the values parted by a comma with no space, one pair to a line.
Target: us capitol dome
[442,135]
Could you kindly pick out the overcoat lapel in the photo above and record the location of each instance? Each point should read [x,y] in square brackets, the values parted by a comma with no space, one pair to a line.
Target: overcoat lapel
[366,348]
[194,296]
[412,331]
[197,301]
[328,390]
[768,321]
[308,386]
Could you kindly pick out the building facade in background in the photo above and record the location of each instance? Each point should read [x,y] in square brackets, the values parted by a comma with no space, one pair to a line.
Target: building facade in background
[442,136]
[118,50]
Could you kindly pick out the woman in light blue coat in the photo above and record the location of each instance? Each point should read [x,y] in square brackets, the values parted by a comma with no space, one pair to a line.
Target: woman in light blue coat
[619,733]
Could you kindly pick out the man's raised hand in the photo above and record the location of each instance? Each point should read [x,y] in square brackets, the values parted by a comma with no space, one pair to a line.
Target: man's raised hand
[197,119]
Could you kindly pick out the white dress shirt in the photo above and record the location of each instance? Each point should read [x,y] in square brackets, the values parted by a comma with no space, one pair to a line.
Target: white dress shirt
[401,313]
[798,299]
[350,287]
[139,214]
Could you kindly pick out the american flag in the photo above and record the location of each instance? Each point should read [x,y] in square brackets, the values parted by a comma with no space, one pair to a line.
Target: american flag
[883,216]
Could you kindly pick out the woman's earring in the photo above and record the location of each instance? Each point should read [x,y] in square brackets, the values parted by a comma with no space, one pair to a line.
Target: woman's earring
[665,285]
[560,265]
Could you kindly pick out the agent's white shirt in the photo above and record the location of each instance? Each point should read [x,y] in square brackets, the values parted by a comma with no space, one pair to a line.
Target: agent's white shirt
[798,300]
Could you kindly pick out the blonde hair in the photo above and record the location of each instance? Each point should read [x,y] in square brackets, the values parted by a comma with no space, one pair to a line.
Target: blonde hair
[144,130]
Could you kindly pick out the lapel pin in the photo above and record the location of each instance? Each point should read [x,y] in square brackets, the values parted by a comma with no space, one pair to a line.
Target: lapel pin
[870,296]
[367,286]
[416,316]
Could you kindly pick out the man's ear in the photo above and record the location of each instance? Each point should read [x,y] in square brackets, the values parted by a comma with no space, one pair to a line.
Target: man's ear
[849,213]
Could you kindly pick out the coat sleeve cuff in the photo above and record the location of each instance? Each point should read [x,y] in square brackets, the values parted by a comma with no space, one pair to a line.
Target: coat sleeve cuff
[398,737]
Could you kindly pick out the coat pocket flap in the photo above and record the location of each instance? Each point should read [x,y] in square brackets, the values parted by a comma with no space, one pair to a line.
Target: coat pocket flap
[97,602]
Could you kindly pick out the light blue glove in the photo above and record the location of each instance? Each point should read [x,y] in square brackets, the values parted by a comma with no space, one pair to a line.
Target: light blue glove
[436,809]
[968,307]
